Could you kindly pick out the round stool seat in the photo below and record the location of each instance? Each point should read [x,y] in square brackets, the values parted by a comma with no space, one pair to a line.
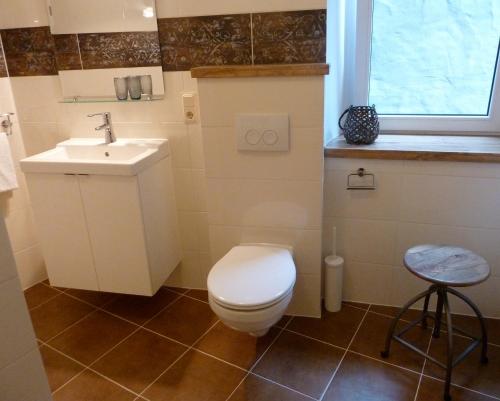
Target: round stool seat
[447,265]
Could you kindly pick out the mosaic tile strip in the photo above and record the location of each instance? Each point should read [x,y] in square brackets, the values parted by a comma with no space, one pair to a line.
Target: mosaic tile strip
[197,41]
[67,52]
[290,37]
[118,50]
[29,51]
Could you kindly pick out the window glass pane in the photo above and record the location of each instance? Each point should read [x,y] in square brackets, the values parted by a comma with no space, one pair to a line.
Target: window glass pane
[434,56]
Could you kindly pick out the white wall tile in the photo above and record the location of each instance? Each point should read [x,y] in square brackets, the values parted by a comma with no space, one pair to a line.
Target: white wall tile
[305,298]
[304,161]
[367,282]
[21,228]
[368,241]
[184,8]
[306,243]
[23,13]
[30,266]
[189,274]
[383,203]
[266,203]
[300,97]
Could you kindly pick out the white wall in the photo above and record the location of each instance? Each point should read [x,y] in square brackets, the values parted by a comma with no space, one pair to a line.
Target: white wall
[15,205]
[414,203]
[188,8]
[19,355]
[267,197]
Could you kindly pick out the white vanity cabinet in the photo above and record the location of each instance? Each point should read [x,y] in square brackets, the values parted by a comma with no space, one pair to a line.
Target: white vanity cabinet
[115,233]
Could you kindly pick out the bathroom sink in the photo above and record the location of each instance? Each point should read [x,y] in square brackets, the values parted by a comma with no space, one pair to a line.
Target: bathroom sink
[93,156]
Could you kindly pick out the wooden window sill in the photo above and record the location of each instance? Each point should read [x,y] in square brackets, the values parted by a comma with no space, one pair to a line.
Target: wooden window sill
[484,149]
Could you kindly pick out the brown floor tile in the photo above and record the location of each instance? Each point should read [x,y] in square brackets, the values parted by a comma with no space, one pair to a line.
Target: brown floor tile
[202,295]
[470,372]
[95,298]
[432,390]
[370,340]
[185,320]
[234,346]
[140,359]
[300,363]
[93,336]
[471,325]
[335,328]
[59,369]
[139,309]
[283,321]
[392,311]
[363,379]
[359,305]
[255,388]
[56,315]
[91,387]
[196,377]
[38,294]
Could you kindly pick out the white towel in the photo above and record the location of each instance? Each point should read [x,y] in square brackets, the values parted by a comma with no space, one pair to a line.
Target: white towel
[8,180]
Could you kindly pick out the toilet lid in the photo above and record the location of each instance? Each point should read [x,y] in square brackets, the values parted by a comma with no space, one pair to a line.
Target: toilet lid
[252,277]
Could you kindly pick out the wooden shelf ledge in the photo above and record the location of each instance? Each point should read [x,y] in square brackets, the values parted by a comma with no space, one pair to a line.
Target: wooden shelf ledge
[485,149]
[271,70]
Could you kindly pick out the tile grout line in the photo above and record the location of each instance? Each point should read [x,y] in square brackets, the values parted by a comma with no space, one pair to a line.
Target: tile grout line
[442,330]
[175,361]
[258,360]
[343,356]
[462,387]
[281,385]
[85,367]
[423,368]
[385,362]
[315,339]
[251,39]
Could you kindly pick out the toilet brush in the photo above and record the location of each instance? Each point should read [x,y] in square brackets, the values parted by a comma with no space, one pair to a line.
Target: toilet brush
[334,266]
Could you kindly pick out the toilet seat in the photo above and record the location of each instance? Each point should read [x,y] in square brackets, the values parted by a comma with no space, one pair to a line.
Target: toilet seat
[251,277]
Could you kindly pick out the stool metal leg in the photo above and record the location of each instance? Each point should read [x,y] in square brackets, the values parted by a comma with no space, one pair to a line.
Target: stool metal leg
[390,333]
[449,356]
[484,334]
[439,314]
[426,310]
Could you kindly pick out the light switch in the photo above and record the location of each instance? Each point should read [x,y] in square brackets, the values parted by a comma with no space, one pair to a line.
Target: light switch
[263,132]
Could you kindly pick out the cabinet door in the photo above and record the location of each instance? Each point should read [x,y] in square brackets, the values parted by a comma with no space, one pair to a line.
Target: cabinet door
[63,233]
[113,210]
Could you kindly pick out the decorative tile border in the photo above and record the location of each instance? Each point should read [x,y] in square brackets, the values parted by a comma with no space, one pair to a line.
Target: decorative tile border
[197,41]
[119,50]
[3,65]
[291,37]
[67,52]
[29,51]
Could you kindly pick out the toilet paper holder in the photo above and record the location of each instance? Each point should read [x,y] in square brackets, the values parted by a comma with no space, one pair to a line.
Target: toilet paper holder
[365,181]
[6,122]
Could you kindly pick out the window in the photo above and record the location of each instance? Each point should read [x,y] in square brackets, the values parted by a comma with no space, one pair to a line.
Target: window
[430,64]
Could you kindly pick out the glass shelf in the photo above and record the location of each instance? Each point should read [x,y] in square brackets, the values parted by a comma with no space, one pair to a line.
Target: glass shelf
[107,100]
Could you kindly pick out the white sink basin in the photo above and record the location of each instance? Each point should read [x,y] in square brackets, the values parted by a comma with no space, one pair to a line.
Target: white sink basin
[93,156]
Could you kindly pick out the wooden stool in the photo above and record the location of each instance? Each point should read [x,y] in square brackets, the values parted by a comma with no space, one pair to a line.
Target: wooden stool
[445,267]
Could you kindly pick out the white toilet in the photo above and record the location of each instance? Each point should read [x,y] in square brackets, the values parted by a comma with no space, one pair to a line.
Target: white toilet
[251,286]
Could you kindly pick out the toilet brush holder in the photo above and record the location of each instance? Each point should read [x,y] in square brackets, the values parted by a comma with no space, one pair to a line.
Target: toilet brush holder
[334,270]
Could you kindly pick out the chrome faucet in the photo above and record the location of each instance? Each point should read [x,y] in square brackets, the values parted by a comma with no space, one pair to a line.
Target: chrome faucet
[107,126]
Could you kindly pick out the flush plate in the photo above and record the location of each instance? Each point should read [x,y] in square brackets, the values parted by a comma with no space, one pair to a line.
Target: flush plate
[263,132]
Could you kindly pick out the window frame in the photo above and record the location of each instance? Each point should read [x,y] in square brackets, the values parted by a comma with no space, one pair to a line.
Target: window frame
[359,22]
